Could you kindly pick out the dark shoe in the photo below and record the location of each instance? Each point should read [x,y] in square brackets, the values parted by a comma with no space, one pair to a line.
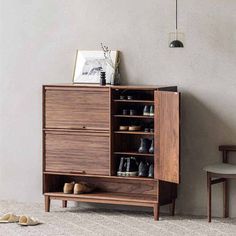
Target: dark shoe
[143,145]
[133,112]
[151,149]
[151,111]
[132,167]
[125,112]
[151,171]
[122,97]
[146,111]
[129,97]
[142,169]
[122,167]
[146,130]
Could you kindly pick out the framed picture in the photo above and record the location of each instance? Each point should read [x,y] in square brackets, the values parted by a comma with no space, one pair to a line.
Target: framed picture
[89,64]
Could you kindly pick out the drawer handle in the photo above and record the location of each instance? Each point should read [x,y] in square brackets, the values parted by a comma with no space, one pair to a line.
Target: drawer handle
[78,172]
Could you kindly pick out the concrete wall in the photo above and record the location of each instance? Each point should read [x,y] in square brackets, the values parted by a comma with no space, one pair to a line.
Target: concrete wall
[38,40]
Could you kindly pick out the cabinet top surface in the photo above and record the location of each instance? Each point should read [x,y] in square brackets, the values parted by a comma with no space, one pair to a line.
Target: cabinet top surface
[107,86]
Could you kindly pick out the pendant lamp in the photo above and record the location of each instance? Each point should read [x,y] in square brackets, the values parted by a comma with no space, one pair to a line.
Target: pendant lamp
[176,43]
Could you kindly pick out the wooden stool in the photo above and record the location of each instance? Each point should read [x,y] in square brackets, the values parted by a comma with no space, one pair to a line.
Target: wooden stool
[219,173]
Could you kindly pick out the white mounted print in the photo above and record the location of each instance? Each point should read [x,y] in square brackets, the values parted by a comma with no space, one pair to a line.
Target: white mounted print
[89,64]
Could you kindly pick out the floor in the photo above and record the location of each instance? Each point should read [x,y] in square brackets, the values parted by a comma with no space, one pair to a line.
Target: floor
[88,220]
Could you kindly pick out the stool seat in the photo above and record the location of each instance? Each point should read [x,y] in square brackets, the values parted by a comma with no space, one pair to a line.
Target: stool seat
[221,168]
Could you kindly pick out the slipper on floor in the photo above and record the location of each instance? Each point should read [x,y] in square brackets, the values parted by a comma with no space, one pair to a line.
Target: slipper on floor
[28,221]
[9,218]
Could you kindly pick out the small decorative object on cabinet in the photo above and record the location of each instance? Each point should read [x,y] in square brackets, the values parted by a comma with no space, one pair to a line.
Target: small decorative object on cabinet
[87,139]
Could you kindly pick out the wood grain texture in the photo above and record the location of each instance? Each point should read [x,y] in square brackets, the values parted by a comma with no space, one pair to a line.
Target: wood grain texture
[112,198]
[167,136]
[77,109]
[79,153]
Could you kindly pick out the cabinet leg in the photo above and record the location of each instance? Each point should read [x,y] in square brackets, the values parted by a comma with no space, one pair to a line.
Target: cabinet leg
[156,211]
[172,207]
[64,203]
[226,199]
[209,196]
[47,203]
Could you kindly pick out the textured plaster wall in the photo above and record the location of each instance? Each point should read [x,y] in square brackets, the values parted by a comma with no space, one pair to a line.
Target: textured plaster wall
[38,40]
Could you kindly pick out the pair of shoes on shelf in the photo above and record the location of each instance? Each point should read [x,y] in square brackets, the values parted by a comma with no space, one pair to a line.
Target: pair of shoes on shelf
[128,167]
[146,146]
[130,127]
[148,110]
[151,130]
[77,188]
[130,112]
[128,97]
[21,220]
[145,170]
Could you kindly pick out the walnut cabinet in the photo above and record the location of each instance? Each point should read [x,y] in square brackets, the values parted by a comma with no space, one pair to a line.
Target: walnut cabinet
[82,142]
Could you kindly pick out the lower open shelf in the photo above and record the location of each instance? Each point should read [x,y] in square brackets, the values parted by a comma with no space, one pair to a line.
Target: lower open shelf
[107,197]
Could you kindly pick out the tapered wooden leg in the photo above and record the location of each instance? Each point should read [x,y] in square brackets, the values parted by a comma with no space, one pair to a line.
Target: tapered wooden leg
[47,203]
[172,207]
[209,196]
[64,203]
[156,211]
[226,199]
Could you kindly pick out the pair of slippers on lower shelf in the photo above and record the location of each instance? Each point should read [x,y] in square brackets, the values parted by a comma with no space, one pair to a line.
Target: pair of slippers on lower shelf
[21,220]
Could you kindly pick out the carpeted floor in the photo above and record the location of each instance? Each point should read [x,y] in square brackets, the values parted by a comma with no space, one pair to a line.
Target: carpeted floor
[86,220]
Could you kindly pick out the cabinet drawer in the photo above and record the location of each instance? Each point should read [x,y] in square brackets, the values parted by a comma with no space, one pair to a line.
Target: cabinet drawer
[73,152]
[77,108]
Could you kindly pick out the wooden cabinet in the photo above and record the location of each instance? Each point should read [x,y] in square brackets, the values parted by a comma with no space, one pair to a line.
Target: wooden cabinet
[82,141]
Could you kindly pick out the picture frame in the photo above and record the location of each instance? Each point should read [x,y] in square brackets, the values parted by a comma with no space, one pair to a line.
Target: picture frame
[89,64]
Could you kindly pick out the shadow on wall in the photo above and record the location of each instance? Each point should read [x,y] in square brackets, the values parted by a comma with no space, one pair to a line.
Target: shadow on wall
[202,132]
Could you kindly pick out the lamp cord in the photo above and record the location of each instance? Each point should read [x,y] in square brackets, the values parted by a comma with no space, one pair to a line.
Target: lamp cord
[176,15]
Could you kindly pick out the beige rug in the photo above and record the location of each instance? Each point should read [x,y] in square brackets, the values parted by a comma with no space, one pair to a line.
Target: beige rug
[89,220]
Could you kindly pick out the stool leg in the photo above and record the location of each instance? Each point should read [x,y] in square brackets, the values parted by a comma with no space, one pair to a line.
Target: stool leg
[226,198]
[209,196]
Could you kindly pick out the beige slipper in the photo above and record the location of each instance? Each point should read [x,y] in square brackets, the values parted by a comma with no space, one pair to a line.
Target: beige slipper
[27,221]
[9,218]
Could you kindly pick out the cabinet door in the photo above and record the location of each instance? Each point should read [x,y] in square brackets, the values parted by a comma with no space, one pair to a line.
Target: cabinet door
[76,152]
[77,108]
[167,136]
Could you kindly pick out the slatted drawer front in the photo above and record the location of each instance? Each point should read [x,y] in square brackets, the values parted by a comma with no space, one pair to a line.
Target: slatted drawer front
[77,109]
[77,153]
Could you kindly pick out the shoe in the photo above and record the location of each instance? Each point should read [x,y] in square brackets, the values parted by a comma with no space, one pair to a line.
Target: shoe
[147,130]
[143,145]
[151,149]
[125,112]
[83,187]
[146,111]
[68,187]
[122,97]
[122,167]
[132,112]
[28,221]
[151,171]
[131,167]
[134,128]
[123,127]
[9,218]
[129,97]
[142,169]
[151,111]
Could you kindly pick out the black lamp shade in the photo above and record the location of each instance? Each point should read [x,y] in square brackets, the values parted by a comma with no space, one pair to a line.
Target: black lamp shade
[176,44]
